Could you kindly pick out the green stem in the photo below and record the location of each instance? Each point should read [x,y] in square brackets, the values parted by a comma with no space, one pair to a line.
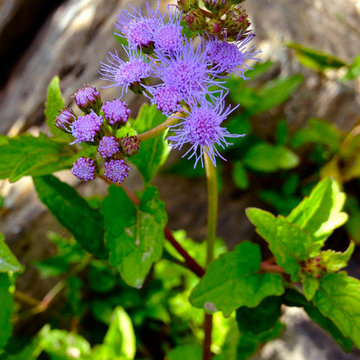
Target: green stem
[172,120]
[212,207]
[210,241]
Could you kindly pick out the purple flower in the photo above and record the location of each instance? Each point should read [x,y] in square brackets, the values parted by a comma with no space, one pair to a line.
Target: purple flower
[230,57]
[116,112]
[116,170]
[108,146]
[138,29]
[166,98]
[87,99]
[202,129]
[64,120]
[86,127]
[84,169]
[187,71]
[168,38]
[125,74]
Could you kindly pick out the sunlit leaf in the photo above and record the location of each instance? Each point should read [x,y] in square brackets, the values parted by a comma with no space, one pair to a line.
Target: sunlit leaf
[8,261]
[233,280]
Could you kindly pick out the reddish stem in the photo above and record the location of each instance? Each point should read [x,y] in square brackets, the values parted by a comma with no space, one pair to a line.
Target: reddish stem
[189,260]
[274,268]
[208,324]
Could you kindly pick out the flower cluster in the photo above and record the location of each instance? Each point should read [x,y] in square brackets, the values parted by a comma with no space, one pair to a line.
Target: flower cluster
[189,74]
[97,126]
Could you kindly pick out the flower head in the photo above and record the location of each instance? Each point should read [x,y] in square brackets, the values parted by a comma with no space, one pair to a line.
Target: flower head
[187,71]
[125,74]
[87,99]
[116,170]
[84,169]
[116,112]
[64,120]
[166,98]
[130,145]
[203,131]
[168,37]
[138,29]
[108,146]
[230,57]
[86,127]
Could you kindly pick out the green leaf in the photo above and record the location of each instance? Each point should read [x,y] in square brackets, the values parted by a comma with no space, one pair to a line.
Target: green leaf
[289,244]
[232,281]
[153,152]
[134,235]
[318,131]
[320,213]
[293,298]
[188,352]
[28,155]
[268,158]
[8,261]
[335,261]
[262,318]
[281,132]
[353,69]
[6,307]
[63,345]
[315,59]
[310,286]
[73,212]
[101,278]
[120,340]
[239,176]
[338,298]
[275,93]
[54,104]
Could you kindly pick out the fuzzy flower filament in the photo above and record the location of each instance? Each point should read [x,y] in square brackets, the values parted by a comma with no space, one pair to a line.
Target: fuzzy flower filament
[203,131]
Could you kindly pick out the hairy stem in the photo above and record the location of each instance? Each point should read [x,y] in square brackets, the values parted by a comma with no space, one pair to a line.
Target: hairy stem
[210,240]
[172,120]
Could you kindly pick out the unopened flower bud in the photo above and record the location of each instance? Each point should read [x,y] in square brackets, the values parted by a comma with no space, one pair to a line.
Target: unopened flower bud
[87,99]
[215,27]
[187,5]
[64,120]
[108,146]
[130,145]
[236,23]
[195,20]
[216,5]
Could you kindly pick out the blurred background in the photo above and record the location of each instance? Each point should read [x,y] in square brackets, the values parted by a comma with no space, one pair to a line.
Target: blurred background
[300,111]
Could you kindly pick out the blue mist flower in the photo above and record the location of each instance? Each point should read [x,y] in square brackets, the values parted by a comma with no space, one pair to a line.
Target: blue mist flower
[138,29]
[125,74]
[168,37]
[203,131]
[166,98]
[86,127]
[108,146]
[116,170]
[187,71]
[84,169]
[231,57]
[116,112]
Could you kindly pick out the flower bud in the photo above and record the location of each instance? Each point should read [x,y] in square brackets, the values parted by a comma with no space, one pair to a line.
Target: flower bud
[130,145]
[84,169]
[236,23]
[215,27]
[64,120]
[187,5]
[116,112]
[216,5]
[87,99]
[195,20]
